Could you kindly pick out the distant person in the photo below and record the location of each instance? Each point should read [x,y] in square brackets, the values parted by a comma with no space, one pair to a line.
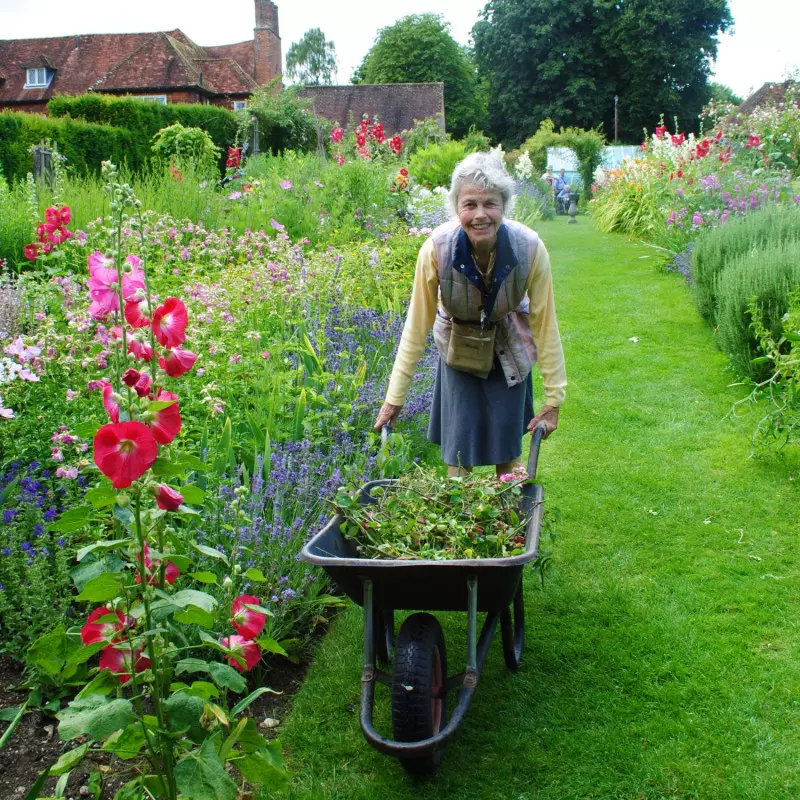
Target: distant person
[561,190]
[548,176]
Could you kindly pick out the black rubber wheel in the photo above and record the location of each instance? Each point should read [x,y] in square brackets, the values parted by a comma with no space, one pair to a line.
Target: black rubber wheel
[419,679]
[512,627]
[384,635]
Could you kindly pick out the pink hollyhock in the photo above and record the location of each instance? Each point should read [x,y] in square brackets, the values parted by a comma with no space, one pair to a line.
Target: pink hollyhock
[167,498]
[678,139]
[133,279]
[58,216]
[124,451]
[96,631]
[248,623]
[169,322]
[122,659]
[166,423]
[178,362]
[171,571]
[110,403]
[31,252]
[242,653]
[141,351]
[660,130]
[133,314]
[753,141]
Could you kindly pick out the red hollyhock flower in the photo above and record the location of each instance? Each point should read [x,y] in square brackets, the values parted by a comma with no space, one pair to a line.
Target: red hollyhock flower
[122,659]
[58,216]
[678,139]
[107,630]
[248,623]
[143,386]
[243,654]
[171,571]
[169,322]
[110,403]
[124,451]
[131,376]
[178,362]
[166,423]
[167,498]
[404,172]
[31,252]
[133,314]
[660,130]
[753,141]
[141,351]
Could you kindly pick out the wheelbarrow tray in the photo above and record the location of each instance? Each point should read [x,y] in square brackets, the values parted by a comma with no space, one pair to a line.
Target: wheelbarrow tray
[425,585]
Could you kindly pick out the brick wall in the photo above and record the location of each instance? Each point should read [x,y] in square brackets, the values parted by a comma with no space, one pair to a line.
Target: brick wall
[397,105]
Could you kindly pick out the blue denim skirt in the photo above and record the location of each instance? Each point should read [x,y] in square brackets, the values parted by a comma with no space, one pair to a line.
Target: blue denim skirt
[479,422]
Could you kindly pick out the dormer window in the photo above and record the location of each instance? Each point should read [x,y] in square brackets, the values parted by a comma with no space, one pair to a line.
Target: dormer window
[37,77]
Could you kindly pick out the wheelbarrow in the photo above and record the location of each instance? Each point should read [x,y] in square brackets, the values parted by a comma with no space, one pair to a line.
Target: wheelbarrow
[419,681]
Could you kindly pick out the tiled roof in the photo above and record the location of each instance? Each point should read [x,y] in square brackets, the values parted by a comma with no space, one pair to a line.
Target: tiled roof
[124,62]
[769,94]
[242,53]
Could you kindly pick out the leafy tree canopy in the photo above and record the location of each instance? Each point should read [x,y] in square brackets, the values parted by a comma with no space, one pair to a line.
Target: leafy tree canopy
[312,60]
[720,93]
[419,49]
[567,61]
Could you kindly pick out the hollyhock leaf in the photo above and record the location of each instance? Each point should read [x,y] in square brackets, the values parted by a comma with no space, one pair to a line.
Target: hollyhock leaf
[258,609]
[192,615]
[252,697]
[160,405]
[164,468]
[191,665]
[102,588]
[127,743]
[187,511]
[227,677]
[192,597]
[69,760]
[107,544]
[204,577]
[49,652]
[103,683]
[183,715]
[125,516]
[94,716]
[271,646]
[211,552]
[192,493]
[262,767]
[200,774]
[86,430]
[72,520]
[101,496]
[255,575]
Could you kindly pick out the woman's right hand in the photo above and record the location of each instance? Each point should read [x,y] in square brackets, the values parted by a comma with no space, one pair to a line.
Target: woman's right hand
[387,415]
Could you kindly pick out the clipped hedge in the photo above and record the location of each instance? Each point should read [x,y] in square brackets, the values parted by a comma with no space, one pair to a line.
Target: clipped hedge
[713,250]
[144,119]
[84,145]
[764,276]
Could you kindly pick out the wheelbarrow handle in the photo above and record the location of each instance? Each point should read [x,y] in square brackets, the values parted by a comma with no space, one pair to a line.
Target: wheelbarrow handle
[539,432]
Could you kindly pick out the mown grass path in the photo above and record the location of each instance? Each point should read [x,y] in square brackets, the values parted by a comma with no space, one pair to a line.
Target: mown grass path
[662,654]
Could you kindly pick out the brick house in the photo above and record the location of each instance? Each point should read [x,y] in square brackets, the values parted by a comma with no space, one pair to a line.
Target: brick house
[164,67]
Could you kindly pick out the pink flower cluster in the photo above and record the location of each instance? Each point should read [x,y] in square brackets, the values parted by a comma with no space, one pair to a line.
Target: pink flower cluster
[242,651]
[50,233]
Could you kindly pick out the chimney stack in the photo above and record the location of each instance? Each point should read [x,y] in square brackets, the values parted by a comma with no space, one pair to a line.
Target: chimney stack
[266,43]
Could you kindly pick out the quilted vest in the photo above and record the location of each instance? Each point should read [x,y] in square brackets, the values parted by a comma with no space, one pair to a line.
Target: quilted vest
[462,294]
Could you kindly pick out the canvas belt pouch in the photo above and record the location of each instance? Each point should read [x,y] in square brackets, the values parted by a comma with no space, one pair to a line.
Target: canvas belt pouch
[471,349]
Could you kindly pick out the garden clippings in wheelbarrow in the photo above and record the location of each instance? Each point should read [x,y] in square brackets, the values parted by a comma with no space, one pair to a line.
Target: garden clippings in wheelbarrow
[425,516]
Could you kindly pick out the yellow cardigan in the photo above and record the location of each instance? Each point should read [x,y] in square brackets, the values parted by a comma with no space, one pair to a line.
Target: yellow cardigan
[422,314]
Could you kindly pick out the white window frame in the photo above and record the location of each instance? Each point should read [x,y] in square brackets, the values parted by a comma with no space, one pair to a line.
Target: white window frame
[161,99]
[239,105]
[41,77]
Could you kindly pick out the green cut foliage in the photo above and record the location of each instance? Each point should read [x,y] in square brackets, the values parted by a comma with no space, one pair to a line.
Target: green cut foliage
[433,165]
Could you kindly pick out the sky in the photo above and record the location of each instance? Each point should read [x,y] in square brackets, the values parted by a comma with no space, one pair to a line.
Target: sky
[762,48]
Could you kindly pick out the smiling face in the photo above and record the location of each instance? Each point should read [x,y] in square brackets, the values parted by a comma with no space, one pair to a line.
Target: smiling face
[480,212]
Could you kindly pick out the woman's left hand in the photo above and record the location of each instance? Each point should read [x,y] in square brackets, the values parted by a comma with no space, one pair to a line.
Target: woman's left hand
[548,415]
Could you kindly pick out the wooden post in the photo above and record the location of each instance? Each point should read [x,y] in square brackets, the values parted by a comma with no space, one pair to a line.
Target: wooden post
[43,164]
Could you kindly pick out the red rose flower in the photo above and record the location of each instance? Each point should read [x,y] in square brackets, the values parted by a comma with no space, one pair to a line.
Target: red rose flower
[242,653]
[169,322]
[166,423]
[178,362]
[124,451]
[248,623]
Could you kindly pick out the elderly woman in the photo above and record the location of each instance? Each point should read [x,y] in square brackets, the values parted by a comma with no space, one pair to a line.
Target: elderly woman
[483,284]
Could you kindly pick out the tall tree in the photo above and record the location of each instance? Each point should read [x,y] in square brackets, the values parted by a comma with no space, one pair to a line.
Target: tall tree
[312,60]
[567,61]
[724,94]
[419,49]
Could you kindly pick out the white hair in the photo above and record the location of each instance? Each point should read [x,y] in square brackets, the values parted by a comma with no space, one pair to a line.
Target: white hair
[486,171]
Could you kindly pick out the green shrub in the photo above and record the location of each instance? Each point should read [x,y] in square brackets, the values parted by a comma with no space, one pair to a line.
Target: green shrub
[425,132]
[475,141]
[536,145]
[433,165]
[188,148]
[84,145]
[740,235]
[762,279]
[285,121]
